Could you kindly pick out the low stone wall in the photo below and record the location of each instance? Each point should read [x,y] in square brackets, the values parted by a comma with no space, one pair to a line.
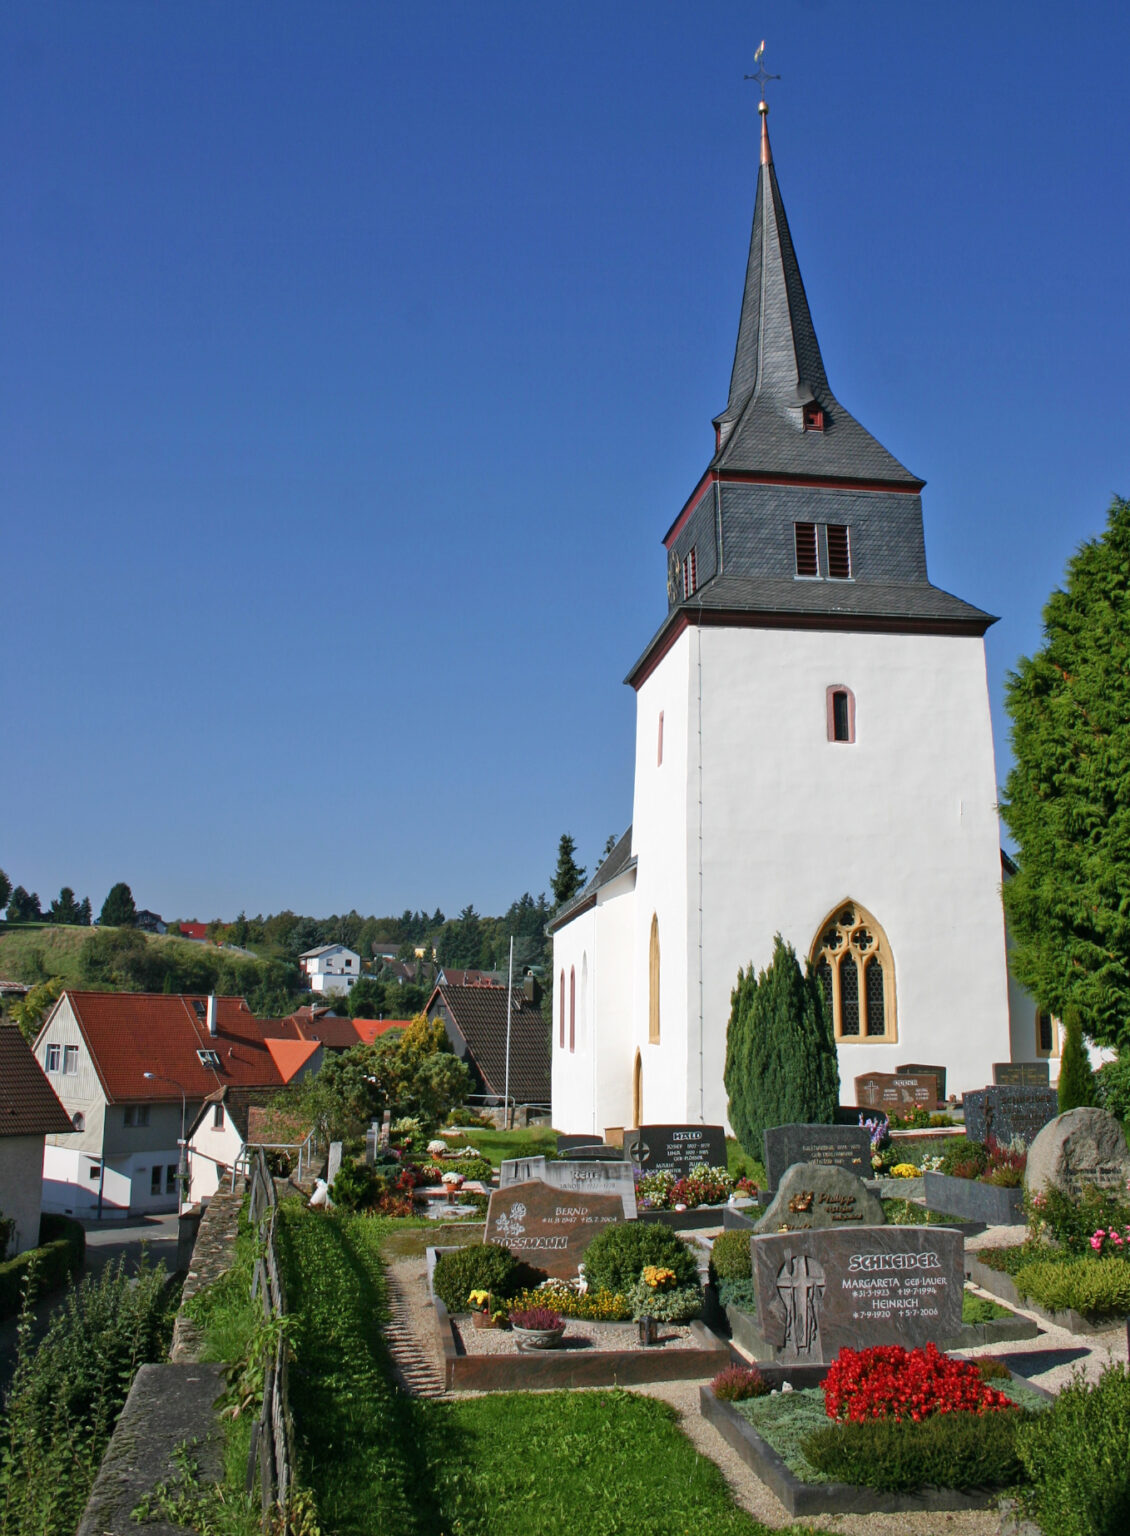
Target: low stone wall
[211,1256]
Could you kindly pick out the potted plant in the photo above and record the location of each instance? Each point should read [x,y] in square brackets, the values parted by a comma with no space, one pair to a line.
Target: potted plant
[483,1315]
[452,1182]
[537,1327]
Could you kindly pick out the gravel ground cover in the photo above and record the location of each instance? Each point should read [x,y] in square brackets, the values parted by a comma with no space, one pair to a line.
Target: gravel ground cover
[579,1334]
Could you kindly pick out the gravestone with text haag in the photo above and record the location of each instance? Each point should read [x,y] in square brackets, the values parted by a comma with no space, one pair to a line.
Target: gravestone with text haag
[836,1146]
[676,1148]
[549,1228]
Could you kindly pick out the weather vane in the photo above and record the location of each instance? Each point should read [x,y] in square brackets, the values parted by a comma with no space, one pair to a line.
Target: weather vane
[762,75]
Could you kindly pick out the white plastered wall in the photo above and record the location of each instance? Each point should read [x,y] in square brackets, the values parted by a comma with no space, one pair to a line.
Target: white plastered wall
[210,1148]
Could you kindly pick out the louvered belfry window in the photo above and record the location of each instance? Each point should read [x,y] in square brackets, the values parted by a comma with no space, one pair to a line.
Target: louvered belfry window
[807,557]
[690,573]
[852,960]
[839,552]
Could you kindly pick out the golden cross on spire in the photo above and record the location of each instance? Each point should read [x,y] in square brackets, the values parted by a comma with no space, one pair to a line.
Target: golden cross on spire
[762,75]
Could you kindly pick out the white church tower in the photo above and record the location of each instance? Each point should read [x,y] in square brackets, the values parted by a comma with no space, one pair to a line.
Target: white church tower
[814,757]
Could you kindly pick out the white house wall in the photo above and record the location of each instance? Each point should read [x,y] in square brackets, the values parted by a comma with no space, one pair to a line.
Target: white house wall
[21,1186]
[210,1148]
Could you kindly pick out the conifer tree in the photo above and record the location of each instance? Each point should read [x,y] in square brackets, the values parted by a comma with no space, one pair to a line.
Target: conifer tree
[1067,799]
[1076,1080]
[781,1065]
[568,877]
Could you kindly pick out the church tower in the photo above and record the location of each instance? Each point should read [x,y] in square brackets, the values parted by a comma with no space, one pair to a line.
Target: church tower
[814,757]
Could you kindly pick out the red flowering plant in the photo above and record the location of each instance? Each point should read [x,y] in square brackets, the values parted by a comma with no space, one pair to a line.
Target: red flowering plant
[889,1382]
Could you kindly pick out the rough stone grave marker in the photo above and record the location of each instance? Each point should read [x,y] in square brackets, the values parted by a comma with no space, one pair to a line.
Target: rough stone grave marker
[549,1228]
[819,1291]
[1008,1112]
[1021,1074]
[836,1146]
[814,1195]
[1083,1146]
[920,1069]
[677,1148]
[597,1178]
[897,1093]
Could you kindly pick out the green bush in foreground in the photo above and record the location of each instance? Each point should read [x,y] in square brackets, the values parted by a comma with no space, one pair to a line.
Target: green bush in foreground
[678,1305]
[616,1256]
[1077,1461]
[738,1293]
[478,1267]
[1094,1287]
[730,1257]
[947,1450]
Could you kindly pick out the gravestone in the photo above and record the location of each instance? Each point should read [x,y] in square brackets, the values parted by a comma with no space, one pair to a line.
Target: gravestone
[1006,1113]
[1083,1146]
[333,1165]
[897,1093]
[372,1141]
[1021,1074]
[587,1139]
[596,1152]
[919,1068]
[819,1291]
[595,1178]
[676,1148]
[835,1146]
[815,1195]
[549,1228]
[386,1128]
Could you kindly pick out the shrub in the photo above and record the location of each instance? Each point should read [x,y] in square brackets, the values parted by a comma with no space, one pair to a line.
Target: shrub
[945,1450]
[53,1265]
[964,1159]
[737,1383]
[615,1258]
[781,1064]
[1094,1287]
[673,1304]
[889,1382]
[738,1293]
[990,1369]
[470,1168]
[1076,1461]
[1006,1165]
[1076,1080]
[1073,1222]
[357,1186]
[730,1257]
[1012,1257]
[478,1267]
[1112,1086]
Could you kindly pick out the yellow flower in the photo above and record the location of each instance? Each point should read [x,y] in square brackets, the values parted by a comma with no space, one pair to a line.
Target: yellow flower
[657,1276]
[904,1171]
[478,1298]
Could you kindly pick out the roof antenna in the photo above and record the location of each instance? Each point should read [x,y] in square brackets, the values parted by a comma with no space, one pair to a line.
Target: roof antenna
[762,77]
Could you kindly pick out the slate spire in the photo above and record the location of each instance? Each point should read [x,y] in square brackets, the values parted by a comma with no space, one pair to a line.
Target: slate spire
[778,369]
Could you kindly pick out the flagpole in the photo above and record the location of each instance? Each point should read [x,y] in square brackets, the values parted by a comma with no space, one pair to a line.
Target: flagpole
[509,1007]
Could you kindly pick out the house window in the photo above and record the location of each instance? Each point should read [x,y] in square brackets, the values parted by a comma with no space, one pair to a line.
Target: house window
[659,745]
[813,418]
[807,557]
[95,1171]
[209,1058]
[135,1115]
[561,1013]
[839,552]
[1045,1033]
[170,1178]
[572,1008]
[78,1120]
[653,983]
[853,963]
[54,1053]
[218,1117]
[155,1180]
[690,573]
[840,710]
[70,1060]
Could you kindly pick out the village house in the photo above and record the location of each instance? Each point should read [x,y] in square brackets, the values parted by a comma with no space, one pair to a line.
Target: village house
[330,968]
[29,1111]
[476,1024]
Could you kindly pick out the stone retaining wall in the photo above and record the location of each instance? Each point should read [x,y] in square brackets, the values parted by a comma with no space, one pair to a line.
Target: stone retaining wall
[212,1256]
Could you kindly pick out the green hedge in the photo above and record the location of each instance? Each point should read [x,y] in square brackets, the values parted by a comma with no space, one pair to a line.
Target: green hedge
[615,1258]
[730,1256]
[1076,1458]
[1095,1287]
[946,1450]
[59,1256]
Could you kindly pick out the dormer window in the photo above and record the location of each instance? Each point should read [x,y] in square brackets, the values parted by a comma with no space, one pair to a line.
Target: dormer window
[209,1058]
[813,417]
[690,573]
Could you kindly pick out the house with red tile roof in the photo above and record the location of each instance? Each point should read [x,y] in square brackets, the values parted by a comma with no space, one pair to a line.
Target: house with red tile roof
[227,1124]
[369,1030]
[29,1110]
[132,1070]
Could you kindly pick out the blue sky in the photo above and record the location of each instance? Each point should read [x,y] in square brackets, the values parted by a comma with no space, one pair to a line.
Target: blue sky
[358,355]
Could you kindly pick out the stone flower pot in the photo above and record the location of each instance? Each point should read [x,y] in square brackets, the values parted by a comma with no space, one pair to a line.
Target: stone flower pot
[537,1338]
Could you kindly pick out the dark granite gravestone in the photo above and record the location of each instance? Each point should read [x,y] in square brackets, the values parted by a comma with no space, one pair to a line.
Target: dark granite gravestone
[897,1093]
[575,1177]
[586,1139]
[815,1195]
[836,1146]
[1006,1113]
[820,1291]
[919,1069]
[549,1228]
[1078,1148]
[676,1148]
[1021,1074]
[596,1153]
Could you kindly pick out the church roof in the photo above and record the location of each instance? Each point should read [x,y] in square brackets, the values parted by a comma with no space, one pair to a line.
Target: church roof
[617,861]
[778,368]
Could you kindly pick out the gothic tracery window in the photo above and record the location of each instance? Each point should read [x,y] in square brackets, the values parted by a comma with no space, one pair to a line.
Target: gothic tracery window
[855,968]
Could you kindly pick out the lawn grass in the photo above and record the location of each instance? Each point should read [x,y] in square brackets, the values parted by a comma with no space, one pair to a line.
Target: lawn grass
[739,1162]
[31,952]
[558,1463]
[535,1141]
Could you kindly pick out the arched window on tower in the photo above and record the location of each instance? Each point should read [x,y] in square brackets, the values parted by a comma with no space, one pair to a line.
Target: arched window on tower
[583,1021]
[653,983]
[840,708]
[856,970]
[572,1008]
[561,1013]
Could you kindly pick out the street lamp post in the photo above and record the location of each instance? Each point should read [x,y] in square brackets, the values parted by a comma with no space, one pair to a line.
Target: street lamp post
[182,1166]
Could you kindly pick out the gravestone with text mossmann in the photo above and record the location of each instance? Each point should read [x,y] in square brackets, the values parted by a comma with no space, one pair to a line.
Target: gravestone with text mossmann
[836,1146]
[1021,1074]
[819,1291]
[816,1195]
[549,1228]
[676,1148]
[1007,1113]
[897,1093]
[596,1178]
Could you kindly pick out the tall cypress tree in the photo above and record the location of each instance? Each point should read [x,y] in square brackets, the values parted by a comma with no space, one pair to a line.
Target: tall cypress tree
[781,1065]
[569,876]
[1067,799]
[1076,1080]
